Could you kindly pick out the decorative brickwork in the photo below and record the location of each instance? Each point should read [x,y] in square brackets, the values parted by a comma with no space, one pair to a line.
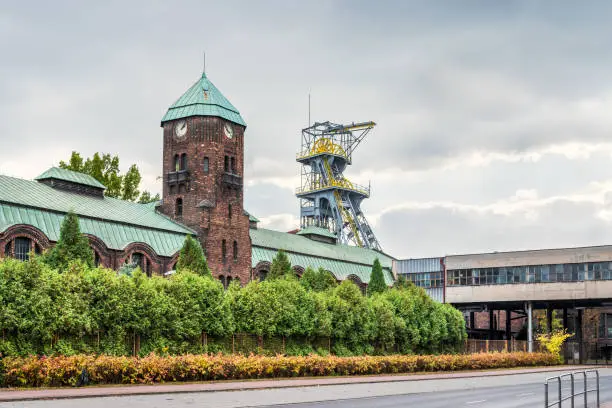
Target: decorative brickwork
[209,187]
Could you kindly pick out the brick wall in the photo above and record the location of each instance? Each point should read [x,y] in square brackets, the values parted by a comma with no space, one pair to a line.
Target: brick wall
[206,198]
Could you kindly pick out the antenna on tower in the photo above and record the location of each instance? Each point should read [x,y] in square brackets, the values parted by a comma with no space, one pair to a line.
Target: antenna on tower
[309,108]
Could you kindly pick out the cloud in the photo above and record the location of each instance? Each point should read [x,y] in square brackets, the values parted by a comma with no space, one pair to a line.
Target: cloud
[492,118]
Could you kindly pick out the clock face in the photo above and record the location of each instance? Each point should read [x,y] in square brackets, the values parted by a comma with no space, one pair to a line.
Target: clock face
[180,129]
[229,132]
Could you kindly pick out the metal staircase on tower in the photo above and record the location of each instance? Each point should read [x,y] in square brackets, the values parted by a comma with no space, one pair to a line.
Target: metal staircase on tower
[327,198]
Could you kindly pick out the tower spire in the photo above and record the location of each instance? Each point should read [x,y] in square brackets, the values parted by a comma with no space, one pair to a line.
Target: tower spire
[204,67]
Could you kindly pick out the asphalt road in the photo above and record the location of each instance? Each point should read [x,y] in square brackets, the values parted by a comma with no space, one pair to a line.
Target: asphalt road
[508,391]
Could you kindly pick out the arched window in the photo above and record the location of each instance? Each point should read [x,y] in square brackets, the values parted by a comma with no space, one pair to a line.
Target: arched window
[22,248]
[184,161]
[206,165]
[233,165]
[235,251]
[227,164]
[137,259]
[263,275]
[177,162]
[223,250]
[178,210]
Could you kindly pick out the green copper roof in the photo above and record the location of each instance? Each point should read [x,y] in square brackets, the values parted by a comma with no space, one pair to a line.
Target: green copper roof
[72,176]
[340,260]
[114,235]
[312,230]
[33,194]
[203,99]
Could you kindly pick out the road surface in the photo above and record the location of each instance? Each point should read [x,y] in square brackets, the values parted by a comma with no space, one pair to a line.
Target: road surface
[507,391]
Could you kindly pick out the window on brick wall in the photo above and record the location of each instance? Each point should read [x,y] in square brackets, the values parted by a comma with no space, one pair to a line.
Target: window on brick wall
[226,165]
[177,162]
[206,165]
[178,211]
[223,250]
[184,161]
[233,164]
[23,246]
[235,251]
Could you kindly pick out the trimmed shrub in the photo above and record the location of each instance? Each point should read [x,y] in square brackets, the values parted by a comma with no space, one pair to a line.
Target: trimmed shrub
[64,371]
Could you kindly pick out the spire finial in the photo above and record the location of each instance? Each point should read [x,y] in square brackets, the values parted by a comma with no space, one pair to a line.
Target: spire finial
[204,68]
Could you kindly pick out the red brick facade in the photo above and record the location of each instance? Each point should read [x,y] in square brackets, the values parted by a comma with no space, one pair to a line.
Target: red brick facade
[208,197]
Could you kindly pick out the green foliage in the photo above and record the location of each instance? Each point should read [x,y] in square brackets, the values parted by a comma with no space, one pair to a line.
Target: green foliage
[146,198]
[72,246]
[191,258]
[377,279]
[281,266]
[79,309]
[318,280]
[105,168]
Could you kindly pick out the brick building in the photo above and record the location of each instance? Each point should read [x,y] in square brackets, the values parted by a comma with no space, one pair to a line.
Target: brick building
[202,195]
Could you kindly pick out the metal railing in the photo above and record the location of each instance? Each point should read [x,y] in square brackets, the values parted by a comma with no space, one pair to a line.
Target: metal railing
[573,393]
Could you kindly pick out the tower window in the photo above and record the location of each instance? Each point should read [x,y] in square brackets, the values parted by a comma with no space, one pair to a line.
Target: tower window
[229,212]
[178,211]
[235,251]
[223,250]
[23,246]
[206,165]
[177,162]
[184,161]
[227,164]
[233,165]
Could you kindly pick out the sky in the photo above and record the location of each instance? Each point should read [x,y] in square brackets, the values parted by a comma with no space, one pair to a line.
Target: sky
[493,118]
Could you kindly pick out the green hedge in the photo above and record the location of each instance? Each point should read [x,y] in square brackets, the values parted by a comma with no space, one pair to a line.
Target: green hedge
[44,312]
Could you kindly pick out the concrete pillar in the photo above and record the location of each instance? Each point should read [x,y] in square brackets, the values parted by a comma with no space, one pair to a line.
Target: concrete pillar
[509,328]
[491,324]
[529,328]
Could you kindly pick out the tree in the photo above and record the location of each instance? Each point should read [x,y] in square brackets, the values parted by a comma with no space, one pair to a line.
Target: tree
[377,280]
[281,266]
[105,168]
[71,246]
[317,280]
[145,198]
[192,258]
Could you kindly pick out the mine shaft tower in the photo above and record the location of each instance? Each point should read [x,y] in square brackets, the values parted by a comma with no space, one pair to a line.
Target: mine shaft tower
[327,199]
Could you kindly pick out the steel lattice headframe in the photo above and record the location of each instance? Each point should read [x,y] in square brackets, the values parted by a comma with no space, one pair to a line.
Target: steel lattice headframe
[328,200]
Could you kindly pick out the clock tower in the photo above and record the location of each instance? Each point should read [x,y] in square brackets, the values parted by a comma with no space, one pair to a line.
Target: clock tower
[203,172]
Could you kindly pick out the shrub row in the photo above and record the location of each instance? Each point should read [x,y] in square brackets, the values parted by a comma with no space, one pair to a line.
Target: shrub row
[48,311]
[64,371]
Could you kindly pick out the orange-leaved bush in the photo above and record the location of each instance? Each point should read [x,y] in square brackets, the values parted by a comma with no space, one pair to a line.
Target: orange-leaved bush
[64,371]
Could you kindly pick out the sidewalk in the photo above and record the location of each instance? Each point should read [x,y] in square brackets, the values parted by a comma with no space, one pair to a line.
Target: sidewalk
[8,395]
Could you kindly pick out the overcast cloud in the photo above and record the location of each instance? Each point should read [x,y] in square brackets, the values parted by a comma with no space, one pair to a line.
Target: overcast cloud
[493,117]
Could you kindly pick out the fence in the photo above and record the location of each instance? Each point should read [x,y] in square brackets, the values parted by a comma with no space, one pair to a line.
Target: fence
[571,397]
[240,343]
[588,352]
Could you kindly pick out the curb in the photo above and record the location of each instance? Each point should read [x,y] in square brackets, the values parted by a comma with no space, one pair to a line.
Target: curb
[14,395]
